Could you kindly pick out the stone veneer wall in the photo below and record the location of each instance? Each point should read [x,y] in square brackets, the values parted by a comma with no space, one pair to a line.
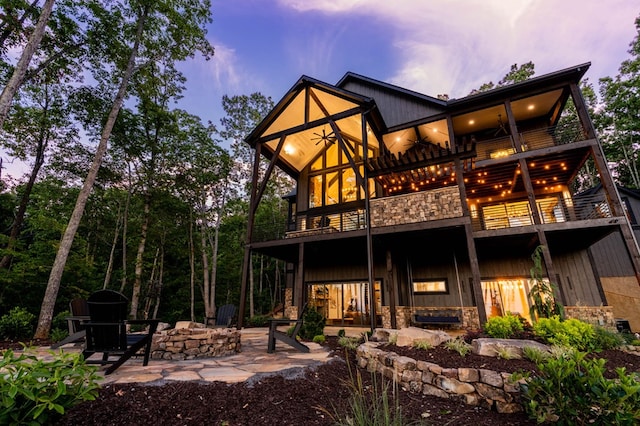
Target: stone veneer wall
[403,316]
[191,343]
[422,206]
[597,315]
[477,387]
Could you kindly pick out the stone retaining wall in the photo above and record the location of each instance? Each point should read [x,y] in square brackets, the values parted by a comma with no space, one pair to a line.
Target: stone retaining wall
[597,315]
[191,343]
[478,387]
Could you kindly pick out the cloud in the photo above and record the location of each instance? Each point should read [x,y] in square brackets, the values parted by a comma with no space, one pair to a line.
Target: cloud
[454,46]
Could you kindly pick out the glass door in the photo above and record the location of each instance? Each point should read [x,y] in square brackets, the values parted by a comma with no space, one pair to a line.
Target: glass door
[506,295]
[345,303]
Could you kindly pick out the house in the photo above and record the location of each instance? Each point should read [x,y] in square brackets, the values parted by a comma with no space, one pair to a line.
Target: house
[408,205]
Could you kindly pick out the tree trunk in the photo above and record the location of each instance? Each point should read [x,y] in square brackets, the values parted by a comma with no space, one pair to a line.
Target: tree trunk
[209,311]
[192,268]
[15,81]
[125,223]
[251,285]
[137,283]
[43,142]
[53,285]
[112,253]
[160,284]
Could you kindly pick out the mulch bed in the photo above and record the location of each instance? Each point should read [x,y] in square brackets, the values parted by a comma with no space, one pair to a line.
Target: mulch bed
[316,397]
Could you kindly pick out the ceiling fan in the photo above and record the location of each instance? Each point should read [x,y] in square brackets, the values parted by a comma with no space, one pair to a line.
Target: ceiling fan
[501,127]
[328,139]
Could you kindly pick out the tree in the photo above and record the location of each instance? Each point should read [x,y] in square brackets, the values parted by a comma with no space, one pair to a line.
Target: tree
[23,64]
[33,127]
[173,29]
[618,122]
[515,75]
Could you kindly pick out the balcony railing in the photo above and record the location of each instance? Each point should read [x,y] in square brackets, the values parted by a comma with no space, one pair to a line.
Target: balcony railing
[551,210]
[504,146]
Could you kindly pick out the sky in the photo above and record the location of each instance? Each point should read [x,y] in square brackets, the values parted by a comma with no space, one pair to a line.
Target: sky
[428,46]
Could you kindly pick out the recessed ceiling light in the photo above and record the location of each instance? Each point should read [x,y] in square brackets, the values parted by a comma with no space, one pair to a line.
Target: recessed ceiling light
[472,122]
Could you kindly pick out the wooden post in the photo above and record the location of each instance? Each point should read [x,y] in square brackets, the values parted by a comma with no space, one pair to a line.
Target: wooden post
[392,291]
[247,248]
[476,285]
[367,212]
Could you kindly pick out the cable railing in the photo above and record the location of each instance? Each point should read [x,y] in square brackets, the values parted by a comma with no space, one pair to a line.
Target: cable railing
[551,210]
[504,146]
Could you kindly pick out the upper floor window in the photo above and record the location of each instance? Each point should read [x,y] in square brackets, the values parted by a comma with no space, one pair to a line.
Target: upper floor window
[332,179]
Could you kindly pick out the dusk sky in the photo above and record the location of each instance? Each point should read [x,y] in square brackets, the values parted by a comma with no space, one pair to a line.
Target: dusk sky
[429,46]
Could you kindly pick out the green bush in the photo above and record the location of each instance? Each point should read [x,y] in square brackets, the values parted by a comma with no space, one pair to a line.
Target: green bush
[572,332]
[573,390]
[17,324]
[312,324]
[459,345]
[58,334]
[258,321]
[34,391]
[319,339]
[422,344]
[350,343]
[606,339]
[341,332]
[504,327]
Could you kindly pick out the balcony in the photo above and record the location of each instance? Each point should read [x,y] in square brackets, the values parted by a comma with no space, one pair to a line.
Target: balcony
[552,209]
[504,146]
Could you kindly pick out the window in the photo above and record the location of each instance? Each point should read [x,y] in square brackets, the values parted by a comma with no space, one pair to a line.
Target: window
[432,286]
[332,179]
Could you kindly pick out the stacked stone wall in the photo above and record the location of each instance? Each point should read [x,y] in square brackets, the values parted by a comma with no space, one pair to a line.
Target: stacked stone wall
[191,343]
[478,387]
[596,315]
[443,203]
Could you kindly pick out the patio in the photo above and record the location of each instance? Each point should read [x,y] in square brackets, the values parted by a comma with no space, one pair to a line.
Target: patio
[250,364]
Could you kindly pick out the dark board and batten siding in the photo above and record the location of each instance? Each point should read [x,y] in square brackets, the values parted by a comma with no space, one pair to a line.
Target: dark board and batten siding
[395,110]
[610,256]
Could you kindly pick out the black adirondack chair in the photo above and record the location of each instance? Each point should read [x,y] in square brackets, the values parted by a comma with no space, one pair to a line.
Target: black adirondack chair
[79,309]
[283,336]
[224,316]
[106,331]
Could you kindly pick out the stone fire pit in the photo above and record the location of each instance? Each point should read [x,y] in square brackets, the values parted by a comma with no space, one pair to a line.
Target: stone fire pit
[190,340]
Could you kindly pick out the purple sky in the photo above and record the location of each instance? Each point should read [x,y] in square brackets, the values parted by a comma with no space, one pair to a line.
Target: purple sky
[429,46]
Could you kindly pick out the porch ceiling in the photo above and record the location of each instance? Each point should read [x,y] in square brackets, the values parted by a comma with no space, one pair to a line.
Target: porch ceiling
[309,118]
[498,181]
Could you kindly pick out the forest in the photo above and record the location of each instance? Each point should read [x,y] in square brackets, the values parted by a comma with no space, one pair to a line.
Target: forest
[122,190]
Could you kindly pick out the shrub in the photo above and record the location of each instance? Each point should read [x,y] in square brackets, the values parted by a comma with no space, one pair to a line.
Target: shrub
[459,345]
[258,321]
[17,324]
[312,324]
[319,339]
[505,352]
[341,332]
[535,354]
[349,342]
[422,344]
[58,334]
[542,291]
[573,390]
[571,332]
[504,327]
[606,339]
[370,405]
[34,391]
